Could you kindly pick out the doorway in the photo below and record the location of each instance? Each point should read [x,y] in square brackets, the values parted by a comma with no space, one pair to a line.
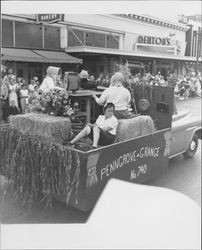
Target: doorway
[35,70]
[21,71]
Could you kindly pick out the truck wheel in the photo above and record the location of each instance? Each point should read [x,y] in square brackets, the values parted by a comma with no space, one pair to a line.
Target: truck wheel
[192,147]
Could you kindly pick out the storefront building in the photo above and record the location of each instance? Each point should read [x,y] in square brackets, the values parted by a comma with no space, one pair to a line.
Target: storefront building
[101,42]
[29,47]
[194,40]
[148,44]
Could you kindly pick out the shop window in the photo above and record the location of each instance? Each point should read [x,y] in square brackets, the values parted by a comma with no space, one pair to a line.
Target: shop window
[86,38]
[36,69]
[156,49]
[75,37]
[112,42]
[28,35]
[10,65]
[7,33]
[51,37]
[101,68]
[20,73]
[94,69]
[95,39]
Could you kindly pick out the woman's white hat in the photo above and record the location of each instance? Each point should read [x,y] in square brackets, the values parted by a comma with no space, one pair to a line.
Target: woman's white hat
[84,74]
[53,70]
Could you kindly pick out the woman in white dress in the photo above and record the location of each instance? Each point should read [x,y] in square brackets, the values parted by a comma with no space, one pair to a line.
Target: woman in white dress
[24,98]
[13,87]
[8,76]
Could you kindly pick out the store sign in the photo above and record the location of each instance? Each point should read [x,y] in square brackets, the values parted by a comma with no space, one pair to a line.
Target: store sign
[154,40]
[156,49]
[50,18]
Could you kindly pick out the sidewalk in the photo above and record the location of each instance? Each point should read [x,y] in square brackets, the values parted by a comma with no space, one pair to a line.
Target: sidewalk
[190,105]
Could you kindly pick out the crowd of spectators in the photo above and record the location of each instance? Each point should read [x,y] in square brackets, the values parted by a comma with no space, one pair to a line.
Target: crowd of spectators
[188,85]
[17,94]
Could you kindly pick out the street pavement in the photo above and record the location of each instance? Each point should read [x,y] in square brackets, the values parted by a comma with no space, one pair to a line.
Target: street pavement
[183,176]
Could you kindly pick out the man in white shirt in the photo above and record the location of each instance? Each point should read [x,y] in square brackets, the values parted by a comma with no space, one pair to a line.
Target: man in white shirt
[103,131]
[118,95]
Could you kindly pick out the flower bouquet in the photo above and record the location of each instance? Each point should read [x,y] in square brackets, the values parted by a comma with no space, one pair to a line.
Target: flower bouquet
[56,102]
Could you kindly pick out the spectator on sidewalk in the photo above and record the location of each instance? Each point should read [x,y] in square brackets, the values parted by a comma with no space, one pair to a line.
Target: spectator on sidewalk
[13,88]
[13,110]
[8,76]
[4,101]
[31,90]
[24,98]
[36,81]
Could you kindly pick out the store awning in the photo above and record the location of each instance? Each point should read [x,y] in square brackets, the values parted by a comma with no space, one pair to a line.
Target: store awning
[22,55]
[44,56]
[57,57]
[94,50]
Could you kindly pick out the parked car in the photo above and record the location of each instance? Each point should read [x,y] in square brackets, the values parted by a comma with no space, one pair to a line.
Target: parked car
[186,131]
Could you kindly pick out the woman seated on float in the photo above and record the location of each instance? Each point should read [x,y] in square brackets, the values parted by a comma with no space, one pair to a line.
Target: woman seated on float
[103,131]
[118,95]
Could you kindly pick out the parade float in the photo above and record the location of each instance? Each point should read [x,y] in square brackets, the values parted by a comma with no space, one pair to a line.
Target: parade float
[39,168]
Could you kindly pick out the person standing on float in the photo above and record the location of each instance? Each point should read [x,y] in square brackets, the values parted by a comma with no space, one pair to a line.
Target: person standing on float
[49,82]
[118,95]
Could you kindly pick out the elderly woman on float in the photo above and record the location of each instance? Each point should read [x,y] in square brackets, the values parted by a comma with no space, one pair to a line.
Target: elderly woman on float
[51,80]
[118,95]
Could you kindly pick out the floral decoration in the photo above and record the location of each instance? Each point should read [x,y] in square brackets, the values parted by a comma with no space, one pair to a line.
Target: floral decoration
[56,102]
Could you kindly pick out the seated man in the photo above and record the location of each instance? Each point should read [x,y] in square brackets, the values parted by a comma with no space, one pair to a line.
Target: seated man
[103,131]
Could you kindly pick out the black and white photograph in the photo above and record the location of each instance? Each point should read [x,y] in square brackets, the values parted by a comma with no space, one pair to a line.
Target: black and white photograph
[100,125]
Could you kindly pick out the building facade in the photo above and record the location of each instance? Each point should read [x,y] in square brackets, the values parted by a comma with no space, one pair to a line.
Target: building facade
[148,44]
[194,40]
[29,47]
[101,42]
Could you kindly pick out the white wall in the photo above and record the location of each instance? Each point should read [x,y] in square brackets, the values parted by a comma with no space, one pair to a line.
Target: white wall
[129,29]
[124,25]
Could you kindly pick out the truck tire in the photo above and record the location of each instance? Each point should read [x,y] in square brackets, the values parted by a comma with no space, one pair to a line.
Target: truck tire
[192,147]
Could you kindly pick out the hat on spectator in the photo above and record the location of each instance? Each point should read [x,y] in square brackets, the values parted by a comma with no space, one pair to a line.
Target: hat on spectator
[84,74]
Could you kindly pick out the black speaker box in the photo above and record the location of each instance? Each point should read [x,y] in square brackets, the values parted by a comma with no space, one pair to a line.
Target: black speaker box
[162,106]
